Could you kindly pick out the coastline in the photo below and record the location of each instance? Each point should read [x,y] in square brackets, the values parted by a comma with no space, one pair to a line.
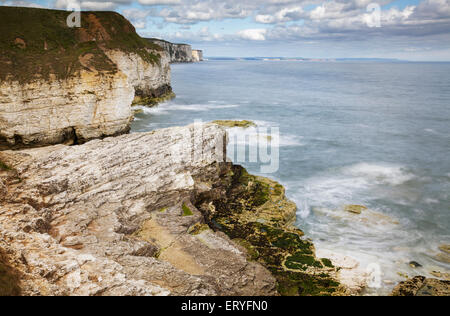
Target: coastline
[252,211]
[88,208]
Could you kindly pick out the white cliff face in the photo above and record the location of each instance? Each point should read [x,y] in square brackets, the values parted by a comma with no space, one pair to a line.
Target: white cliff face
[110,218]
[83,107]
[197,55]
[86,106]
[179,53]
[149,80]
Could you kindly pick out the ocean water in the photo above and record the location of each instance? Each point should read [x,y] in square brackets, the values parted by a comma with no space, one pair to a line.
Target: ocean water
[367,133]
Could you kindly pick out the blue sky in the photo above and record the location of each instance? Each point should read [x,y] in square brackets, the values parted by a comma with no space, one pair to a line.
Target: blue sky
[405,29]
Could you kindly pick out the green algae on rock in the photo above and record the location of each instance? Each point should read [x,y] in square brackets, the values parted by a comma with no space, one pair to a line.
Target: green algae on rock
[255,213]
[153,101]
[231,123]
[355,209]
[186,210]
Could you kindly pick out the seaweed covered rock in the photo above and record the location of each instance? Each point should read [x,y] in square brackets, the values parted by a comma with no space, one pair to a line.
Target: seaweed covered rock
[255,213]
[422,286]
[231,123]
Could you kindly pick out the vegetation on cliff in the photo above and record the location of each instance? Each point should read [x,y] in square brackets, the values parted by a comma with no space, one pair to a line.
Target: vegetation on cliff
[254,212]
[153,101]
[37,43]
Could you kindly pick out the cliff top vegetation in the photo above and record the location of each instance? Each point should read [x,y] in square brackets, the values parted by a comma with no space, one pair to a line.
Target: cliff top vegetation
[37,43]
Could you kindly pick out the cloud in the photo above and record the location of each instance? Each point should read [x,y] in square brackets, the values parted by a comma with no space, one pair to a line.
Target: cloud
[27,4]
[95,5]
[88,5]
[159,2]
[293,21]
[253,34]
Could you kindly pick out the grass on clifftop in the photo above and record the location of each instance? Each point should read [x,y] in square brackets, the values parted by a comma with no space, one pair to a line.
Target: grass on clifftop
[37,42]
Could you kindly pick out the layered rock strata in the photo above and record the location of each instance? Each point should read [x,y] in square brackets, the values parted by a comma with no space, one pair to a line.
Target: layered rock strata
[197,55]
[179,53]
[157,213]
[422,286]
[69,85]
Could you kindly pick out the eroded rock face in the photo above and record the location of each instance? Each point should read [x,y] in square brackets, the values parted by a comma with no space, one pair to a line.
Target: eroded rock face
[197,55]
[179,53]
[80,108]
[148,80]
[86,106]
[421,286]
[115,217]
[69,85]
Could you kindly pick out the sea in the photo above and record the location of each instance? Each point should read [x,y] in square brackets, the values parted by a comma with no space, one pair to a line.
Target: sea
[368,133]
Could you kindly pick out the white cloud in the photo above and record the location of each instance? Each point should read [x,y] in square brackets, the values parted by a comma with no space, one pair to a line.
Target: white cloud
[253,34]
[87,5]
[159,2]
[23,4]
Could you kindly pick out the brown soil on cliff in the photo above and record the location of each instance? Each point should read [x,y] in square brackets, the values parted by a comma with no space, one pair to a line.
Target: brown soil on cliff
[37,43]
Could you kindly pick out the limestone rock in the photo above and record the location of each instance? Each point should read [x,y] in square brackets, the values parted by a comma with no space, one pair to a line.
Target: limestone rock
[89,105]
[179,53]
[70,85]
[441,275]
[356,209]
[230,123]
[421,286]
[445,248]
[197,55]
[255,210]
[350,273]
[106,218]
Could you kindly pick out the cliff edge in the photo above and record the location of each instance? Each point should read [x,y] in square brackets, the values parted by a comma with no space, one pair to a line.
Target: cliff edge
[69,85]
[179,53]
[158,213]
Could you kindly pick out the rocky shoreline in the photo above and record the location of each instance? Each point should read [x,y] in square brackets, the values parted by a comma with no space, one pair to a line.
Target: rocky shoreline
[79,220]
[88,209]
[115,217]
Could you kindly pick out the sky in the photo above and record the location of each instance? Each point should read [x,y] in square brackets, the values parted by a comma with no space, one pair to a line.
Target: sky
[416,30]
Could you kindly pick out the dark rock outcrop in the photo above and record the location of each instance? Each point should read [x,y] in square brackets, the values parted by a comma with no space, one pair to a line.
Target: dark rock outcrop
[422,286]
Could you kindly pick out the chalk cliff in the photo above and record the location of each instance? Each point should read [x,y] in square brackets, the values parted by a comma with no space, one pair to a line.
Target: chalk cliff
[69,85]
[179,53]
[197,55]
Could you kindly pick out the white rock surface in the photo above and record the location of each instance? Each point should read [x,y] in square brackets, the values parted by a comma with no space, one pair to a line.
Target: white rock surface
[351,274]
[106,218]
[82,107]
